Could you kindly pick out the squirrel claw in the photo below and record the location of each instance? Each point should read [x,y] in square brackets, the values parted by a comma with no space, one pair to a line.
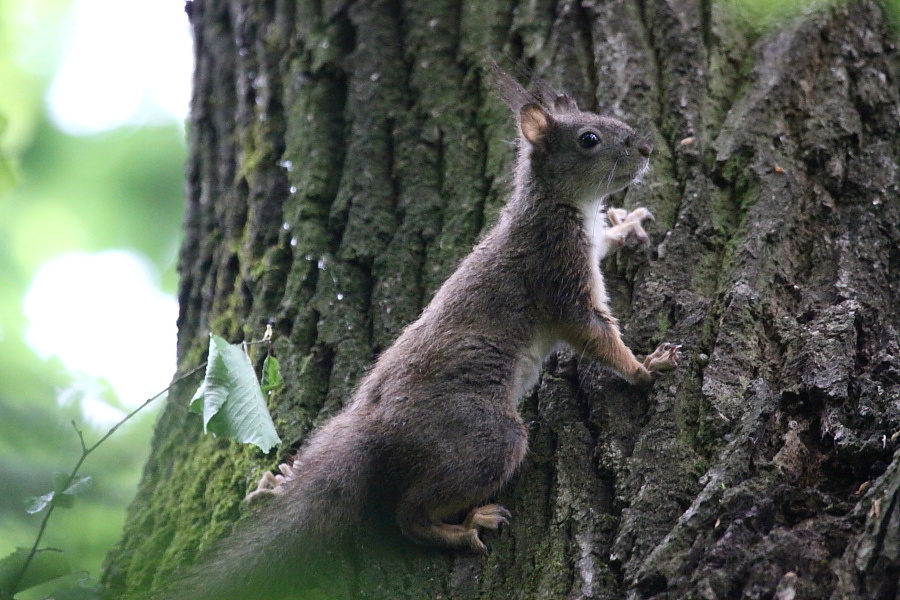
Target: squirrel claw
[625,224]
[616,216]
[476,544]
[664,358]
[268,486]
[271,484]
[489,516]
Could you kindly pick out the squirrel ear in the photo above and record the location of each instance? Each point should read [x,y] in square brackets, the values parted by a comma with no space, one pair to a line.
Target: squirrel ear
[533,122]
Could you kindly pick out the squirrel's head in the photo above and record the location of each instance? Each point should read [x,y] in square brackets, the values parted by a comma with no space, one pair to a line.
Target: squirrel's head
[582,154]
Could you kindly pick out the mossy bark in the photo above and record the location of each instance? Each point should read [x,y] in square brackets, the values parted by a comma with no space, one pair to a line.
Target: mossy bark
[345,156]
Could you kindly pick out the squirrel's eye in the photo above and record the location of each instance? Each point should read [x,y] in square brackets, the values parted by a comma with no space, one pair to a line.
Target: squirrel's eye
[588,140]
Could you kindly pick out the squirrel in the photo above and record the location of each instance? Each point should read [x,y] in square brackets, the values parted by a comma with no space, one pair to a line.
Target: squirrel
[433,430]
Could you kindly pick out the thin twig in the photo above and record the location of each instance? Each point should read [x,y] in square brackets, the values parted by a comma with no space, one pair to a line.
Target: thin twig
[85,452]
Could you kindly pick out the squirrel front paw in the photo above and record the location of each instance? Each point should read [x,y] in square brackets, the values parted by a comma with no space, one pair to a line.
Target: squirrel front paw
[627,223]
[664,358]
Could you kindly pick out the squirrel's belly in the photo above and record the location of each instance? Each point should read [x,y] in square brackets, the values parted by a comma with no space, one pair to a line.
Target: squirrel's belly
[594,223]
[528,366]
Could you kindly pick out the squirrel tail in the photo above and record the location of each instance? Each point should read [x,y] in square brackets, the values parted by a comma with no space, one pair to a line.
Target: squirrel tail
[295,535]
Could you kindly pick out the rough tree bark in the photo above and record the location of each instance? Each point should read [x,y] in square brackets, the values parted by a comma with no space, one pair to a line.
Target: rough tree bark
[343,158]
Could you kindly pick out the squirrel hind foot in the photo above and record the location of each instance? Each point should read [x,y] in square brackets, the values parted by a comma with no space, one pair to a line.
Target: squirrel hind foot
[489,516]
[271,485]
[460,537]
[268,486]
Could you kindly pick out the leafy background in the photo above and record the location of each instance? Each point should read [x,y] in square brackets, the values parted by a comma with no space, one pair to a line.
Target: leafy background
[63,193]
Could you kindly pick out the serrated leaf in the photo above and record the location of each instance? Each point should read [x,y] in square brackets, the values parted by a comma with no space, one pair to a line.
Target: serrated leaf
[63,494]
[232,401]
[45,566]
[79,484]
[271,375]
[38,503]
[196,405]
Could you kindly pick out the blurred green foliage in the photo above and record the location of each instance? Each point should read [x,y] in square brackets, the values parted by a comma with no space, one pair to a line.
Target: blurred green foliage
[892,10]
[760,15]
[763,14]
[61,193]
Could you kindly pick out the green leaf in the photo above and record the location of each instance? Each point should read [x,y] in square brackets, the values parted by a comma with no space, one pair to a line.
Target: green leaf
[38,503]
[196,405]
[271,375]
[231,400]
[46,566]
[79,484]
[63,494]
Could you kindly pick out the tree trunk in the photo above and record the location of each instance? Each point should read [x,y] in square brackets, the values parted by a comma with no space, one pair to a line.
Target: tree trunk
[345,156]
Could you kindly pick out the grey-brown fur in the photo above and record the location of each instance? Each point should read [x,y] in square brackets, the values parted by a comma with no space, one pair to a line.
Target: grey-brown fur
[433,430]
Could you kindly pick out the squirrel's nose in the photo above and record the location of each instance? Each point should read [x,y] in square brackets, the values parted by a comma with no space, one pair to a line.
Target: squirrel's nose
[644,148]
